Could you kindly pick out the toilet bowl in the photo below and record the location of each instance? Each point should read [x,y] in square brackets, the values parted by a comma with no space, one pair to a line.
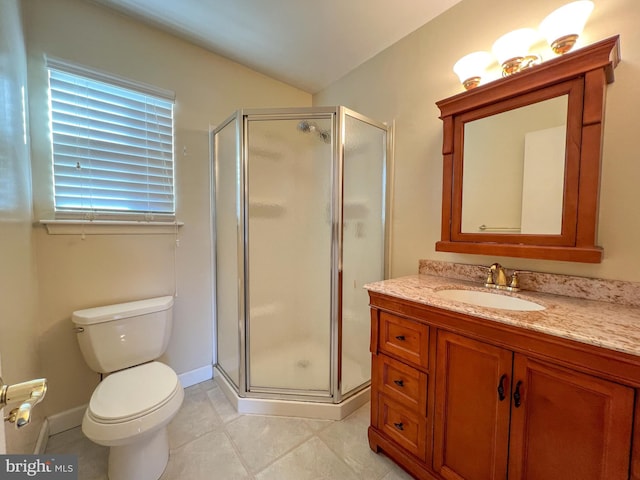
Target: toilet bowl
[130,409]
[129,412]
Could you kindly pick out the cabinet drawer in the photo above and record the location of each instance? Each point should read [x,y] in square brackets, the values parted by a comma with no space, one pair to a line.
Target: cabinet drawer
[404,426]
[404,338]
[401,382]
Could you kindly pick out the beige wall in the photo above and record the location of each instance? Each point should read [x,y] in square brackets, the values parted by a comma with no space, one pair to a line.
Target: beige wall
[404,82]
[401,84]
[102,269]
[18,282]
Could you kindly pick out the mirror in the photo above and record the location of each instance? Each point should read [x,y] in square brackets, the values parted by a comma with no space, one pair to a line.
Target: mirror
[522,151]
[521,160]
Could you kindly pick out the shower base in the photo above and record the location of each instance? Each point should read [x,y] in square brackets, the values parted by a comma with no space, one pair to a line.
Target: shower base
[303,365]
[298,366]
[291,408]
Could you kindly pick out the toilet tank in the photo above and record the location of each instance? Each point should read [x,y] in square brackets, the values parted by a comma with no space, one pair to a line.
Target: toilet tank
[119,336]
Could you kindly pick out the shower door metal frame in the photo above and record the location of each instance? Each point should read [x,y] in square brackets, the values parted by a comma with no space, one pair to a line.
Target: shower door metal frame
[235,118]
[342,113]
[338,115]
[285,114]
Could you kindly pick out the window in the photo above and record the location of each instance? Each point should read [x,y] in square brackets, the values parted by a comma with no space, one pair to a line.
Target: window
[112,146]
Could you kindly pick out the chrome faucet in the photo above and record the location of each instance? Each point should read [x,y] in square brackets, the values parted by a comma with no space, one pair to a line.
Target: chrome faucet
[27,394]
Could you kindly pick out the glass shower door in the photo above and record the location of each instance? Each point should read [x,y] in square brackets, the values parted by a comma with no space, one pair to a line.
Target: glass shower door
[289,237]
[362,241]
[227,226]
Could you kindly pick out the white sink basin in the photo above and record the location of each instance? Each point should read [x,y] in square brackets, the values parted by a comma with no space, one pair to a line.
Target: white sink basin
[488,299]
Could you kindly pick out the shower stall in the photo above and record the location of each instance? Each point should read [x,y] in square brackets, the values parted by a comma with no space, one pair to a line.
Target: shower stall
[299,200]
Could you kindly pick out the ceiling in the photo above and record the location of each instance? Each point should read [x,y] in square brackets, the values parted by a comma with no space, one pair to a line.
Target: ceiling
[305,43]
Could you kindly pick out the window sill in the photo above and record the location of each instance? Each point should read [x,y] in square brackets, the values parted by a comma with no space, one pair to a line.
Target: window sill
[109,227]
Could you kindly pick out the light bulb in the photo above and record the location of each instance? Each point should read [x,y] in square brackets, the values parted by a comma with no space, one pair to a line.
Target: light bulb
[471,68]
[512,50]
[563,26]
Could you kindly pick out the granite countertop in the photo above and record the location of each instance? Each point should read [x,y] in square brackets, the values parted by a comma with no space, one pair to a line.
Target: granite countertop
[608,325]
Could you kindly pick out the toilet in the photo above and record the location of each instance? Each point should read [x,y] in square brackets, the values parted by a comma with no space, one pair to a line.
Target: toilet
[130,409]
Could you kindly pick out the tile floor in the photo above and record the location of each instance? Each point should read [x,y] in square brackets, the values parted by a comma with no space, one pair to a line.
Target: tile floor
[210,440]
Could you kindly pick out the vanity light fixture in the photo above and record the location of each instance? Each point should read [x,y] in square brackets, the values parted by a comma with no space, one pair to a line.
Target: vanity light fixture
[471,68]
[512,50]
[563,26]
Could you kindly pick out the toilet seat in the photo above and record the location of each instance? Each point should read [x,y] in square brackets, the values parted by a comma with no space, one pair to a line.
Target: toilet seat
[132,393]
[132,403]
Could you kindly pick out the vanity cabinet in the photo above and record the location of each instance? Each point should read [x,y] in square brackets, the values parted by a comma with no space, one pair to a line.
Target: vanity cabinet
[471,418]
[458,397]
[548,421]
[400,371]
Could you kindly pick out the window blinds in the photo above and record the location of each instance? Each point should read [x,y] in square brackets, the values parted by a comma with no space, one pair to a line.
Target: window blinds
[112,146]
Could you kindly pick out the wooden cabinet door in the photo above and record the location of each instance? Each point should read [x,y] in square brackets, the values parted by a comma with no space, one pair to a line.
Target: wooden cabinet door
[471,434]
[568,425]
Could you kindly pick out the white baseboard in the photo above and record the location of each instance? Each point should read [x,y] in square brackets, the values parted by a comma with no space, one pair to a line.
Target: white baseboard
[198,375]
[63,421]
[43,438]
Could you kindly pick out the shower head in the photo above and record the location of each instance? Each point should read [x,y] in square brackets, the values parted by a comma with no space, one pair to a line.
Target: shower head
[306,126]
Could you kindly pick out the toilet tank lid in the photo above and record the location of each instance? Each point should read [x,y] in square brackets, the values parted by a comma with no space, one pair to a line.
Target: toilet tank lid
[118,311]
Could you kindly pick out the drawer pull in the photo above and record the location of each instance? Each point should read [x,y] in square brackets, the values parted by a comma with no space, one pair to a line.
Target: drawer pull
[400,337]
[517,399]
[399,426]
[400,383]
[501,395]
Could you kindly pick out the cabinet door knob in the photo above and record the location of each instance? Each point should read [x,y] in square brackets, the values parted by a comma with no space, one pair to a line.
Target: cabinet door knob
[399,426]
[400,337]
[517,399]
[501,395]
[400,383]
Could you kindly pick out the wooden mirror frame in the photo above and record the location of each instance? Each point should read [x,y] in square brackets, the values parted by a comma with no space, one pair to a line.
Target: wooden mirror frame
[583,75]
